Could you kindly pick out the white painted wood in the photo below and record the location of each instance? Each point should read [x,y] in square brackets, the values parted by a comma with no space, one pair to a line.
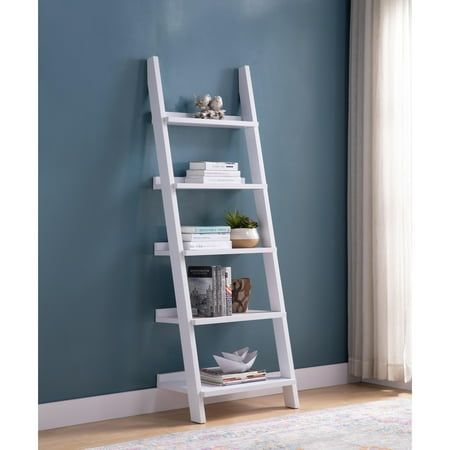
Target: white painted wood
[273,278]
[144,401]
[186,120]
[248,121]
[242,317]
[189,115]
[172,218]
[209,390]
[180,184]
[169,315]
[166,315]
[162,249]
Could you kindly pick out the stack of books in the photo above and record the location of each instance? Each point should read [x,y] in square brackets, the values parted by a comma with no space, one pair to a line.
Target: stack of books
[210,289]
[207,172]
[214,375]
[196,238]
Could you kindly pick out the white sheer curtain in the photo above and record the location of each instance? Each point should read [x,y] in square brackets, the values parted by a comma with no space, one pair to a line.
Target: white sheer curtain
[379,190]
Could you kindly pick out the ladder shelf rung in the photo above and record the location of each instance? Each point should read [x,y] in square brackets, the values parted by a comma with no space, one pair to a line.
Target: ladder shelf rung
[186,120]
[169,315]
[175,382]
[162,249]
[180,184]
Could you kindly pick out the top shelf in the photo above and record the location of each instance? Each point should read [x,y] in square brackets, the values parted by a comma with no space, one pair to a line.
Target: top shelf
[186,120]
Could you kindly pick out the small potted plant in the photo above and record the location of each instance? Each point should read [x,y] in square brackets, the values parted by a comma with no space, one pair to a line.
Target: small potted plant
[244,231]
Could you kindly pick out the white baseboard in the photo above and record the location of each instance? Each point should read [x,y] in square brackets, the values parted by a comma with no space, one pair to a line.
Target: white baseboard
[144,401]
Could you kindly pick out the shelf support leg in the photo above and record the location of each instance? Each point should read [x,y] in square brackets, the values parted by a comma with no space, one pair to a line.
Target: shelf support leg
[271,266]
[177,259]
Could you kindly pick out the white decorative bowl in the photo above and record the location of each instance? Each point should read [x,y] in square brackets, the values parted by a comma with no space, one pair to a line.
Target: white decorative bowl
[244,237]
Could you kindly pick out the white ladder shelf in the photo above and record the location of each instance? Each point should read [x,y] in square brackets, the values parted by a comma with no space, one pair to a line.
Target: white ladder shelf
[189,381]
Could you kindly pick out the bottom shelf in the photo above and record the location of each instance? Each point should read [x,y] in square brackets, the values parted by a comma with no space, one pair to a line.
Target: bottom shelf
[176,382]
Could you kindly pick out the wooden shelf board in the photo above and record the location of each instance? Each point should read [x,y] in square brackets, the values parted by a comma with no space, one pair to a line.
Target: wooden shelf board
[180,184]
[169,315]
[186,120]
[215,251]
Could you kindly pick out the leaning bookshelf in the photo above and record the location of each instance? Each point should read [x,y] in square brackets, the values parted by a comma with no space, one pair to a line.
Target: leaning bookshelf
[189,381]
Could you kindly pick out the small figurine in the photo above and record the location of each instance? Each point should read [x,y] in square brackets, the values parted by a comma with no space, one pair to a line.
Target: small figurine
[203,102]
[210,108]
[216,103]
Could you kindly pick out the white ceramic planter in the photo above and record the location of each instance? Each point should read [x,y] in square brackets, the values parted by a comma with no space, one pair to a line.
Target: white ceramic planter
[244,237]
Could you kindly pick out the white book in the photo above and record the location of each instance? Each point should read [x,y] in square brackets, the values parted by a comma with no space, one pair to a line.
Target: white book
[206,229]
[222,245]
[206,165]
[213,173]
[206,244]
[212,180]
[196,237]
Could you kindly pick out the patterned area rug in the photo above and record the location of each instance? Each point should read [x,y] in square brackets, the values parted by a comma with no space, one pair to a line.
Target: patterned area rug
[377,425]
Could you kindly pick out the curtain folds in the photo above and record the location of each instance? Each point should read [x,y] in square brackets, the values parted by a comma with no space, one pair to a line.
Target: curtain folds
[379,190]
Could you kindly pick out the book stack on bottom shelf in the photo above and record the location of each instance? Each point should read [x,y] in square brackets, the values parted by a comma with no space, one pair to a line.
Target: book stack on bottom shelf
[214,375]
[205,172]
[210,289]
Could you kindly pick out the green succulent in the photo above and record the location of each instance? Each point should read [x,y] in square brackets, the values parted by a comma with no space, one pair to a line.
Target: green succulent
[235,219]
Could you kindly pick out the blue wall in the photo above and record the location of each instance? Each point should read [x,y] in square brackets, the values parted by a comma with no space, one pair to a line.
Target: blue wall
[99,282]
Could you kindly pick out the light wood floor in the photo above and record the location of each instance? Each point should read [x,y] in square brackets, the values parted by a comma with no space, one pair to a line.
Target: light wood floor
[137,427]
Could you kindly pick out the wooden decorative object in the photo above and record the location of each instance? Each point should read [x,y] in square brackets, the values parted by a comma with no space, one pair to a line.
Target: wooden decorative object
[241,294]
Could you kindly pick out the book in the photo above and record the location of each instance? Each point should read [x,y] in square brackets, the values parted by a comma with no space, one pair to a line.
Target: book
[221,305]
[214,312]
[201,230]
[213,173]
[211,180]
[231,381]
[228,291]
[218,292]
[224,291]
[200,281]
[214,375]
[210,290]
[218,245]
[217,373]
[212,165]
[199,237]
[197,245]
